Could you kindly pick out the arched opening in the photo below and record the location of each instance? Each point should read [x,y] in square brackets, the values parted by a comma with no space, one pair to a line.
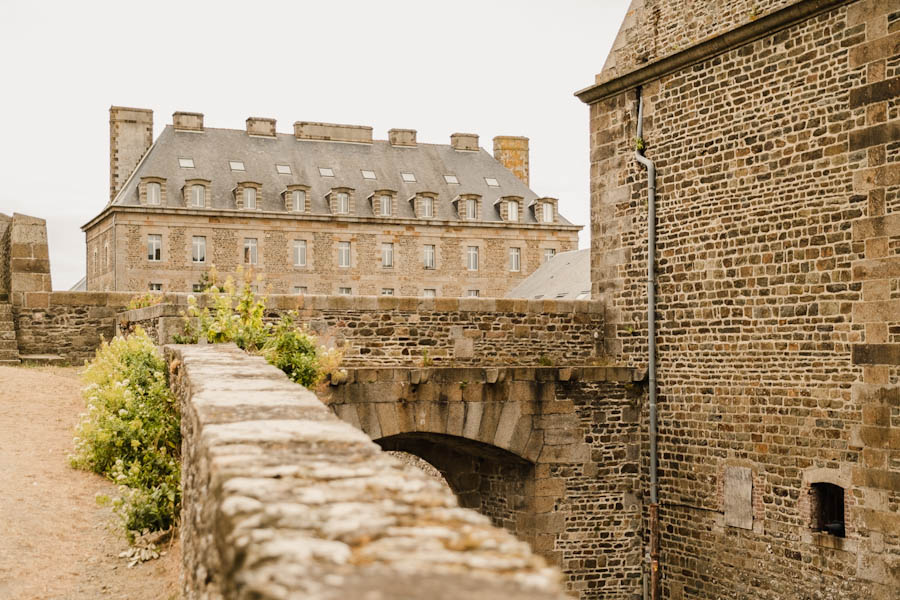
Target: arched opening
[488,479]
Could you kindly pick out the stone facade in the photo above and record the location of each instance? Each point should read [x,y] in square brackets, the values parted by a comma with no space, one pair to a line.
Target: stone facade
[282,500]
[778,277]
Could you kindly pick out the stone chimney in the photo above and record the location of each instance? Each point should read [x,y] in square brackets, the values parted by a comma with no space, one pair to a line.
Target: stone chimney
[402,137]
[260,126]
[464,141]
[307,130]
[187,121]
[130,136]
[512,152]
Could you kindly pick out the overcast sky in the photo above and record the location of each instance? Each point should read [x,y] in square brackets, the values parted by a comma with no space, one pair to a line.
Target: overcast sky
[486,67]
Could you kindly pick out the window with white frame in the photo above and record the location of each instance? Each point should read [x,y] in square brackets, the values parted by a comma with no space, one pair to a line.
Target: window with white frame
[547,212]
[387,255]
[368,174]
[345,291]
[198,195]
[153,193]
[387,291]
[186,163]
[299,253]
[299,289]
[515,259]
[342,203]
[473,293]
[491,181]
[429,256]
[198,249]
[472,258]
[155,287]
[384,205]
[250,198]
[326,172]
[283,169]
[427,207]
[154,247]
[429,292]
[250,251]
[236,165]
[471,208]
[298,201]
[549,253]
[408,177]
[512,210]
[451,179]
[343,254]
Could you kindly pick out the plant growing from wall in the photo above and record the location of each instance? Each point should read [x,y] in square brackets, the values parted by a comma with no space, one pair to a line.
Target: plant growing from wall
[131,432]
[145,300]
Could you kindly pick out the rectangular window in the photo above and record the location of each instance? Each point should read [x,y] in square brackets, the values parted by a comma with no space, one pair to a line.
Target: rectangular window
[513,210]
[547,210]
[492,182]
[429,292]
[408,177]
[429,256]
[250,198]
[250,251]
[155,287]
[473,293]
[549,253]
[385,209]
[197,287]
[153,194]
[236,165]
[154,248]
[299,289]
[472,258]
[299,253]
[283,169]
[451,179]
[515,259]
[345,291]
[198,249]
[186,163]
[368,174]
[342,203]
[326,172]
[298,200]
[198,196]
[387,255]
[471,208]
[343,254]
[427,207]
[387,291]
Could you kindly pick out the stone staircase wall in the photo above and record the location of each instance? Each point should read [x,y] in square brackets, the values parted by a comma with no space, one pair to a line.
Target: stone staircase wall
[9,350]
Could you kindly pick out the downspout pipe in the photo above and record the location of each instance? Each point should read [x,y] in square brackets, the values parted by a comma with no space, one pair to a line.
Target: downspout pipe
[651,345]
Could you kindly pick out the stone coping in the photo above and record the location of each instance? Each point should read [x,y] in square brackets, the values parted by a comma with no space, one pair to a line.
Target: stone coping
[284,500]
[475,375]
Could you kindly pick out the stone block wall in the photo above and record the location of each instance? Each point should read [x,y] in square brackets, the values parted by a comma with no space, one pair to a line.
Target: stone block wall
[283,500]
[5,232]
[29,257]
[460,331]
[549,453]
[777,287]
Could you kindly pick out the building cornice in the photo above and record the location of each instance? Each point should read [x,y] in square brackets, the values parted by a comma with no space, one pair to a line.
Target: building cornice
[242,214]
[719,44]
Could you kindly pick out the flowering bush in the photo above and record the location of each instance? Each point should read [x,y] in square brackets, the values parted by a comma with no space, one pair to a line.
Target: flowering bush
[131,432]
[145,300]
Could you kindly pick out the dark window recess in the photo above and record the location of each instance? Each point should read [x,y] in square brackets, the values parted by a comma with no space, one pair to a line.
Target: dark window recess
[828,508]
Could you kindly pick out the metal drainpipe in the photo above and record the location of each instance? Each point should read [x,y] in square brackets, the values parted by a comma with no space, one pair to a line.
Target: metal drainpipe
[651,347]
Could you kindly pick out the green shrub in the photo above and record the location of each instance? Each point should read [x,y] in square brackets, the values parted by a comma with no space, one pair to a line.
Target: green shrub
[145,300]
[131,432]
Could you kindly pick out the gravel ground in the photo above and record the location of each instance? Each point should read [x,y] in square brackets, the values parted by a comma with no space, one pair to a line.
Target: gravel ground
[56,542]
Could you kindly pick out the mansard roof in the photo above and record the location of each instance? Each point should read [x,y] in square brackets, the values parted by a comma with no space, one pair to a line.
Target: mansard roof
[212,149]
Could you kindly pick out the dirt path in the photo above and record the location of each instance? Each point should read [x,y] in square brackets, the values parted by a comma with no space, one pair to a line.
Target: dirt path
[55,541]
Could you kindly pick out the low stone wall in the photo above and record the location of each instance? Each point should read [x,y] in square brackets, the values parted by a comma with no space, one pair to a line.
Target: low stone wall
[390,330]
[282,500]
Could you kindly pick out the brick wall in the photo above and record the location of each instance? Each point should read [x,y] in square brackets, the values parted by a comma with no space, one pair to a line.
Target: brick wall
[777,288]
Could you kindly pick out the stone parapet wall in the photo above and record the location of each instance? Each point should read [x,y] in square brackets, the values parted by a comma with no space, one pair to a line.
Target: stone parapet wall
[283,500]
[390,330]
[5,222]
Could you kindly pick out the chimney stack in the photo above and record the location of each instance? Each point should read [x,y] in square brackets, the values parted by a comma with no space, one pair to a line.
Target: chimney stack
[187,121]
[130,136]
[260,126]
[464,141]
[512,152]
[333,132]
[402,137]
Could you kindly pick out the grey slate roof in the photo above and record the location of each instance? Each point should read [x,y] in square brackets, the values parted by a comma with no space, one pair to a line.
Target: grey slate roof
[212,149]
[567,275]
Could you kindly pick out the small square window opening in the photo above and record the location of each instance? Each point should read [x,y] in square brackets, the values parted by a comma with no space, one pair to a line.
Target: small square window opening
[283,169]
[236,165]
[326,172]
[408,177]
[186,163]
[368,174]
[451,179]
[491,182]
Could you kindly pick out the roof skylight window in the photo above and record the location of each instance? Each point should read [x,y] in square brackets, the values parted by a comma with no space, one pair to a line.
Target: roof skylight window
[408,177]
[451,179]
[368,174]
[582,295]
[283,169]
[236,165]
[186,163]
[326,172]
[491,182]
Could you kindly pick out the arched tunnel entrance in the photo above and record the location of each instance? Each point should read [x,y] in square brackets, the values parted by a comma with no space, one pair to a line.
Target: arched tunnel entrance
[488,479]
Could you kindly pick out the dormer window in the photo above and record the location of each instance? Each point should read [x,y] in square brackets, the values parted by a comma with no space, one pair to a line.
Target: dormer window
[154,194]
[547,212]
[298,201]
[427,207]
[194,192]
[384,205]
[283,169]
[326,172]
[247,195]
[512,210]
[186,163]
[368,174]
[236,165]
[340,201]
[198,195]
[250,198]
[471,209]
[296,198]
[423,205]
[408,177]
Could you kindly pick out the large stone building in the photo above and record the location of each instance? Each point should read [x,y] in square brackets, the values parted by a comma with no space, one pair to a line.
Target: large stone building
[325,210]
[774,126]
